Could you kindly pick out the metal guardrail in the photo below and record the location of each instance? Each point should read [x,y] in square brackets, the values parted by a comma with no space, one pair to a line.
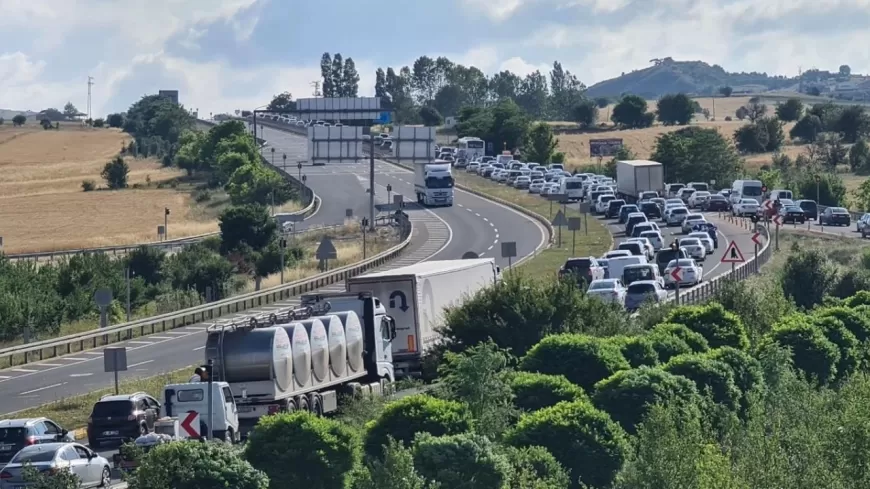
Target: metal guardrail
[38,351]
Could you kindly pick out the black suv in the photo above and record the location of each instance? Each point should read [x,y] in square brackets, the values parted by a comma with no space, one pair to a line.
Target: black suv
[16,434]
[122,417]
[613,208]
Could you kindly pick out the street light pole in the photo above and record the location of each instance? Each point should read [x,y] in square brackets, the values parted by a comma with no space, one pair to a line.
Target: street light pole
[165,223]
[299,167]
[283,246]
[365,224]
[273,156]
[284,164]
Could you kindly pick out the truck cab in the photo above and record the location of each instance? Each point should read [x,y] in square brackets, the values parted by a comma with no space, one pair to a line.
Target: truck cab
[433,183]
[181,399]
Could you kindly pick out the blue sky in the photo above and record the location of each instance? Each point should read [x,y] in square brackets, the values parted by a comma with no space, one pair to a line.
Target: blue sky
[232,54]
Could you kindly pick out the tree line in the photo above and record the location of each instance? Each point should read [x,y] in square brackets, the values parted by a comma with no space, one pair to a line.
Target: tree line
[540,386]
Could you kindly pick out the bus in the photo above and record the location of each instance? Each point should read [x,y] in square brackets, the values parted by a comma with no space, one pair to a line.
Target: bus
[472,147]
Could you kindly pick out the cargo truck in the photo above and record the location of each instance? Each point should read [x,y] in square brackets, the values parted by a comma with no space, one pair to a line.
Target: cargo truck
[433,183]
[633,177]
[416,296]
[303,358]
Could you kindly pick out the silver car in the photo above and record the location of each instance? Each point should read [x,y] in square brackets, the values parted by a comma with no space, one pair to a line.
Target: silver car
[705,240]
[676,215]
[643,291]
[691,220]
[91,469]
[694,248]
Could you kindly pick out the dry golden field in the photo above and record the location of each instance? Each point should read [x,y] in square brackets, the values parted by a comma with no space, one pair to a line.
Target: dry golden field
[43,207]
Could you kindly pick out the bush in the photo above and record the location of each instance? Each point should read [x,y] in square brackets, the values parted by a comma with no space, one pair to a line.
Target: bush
[696,341]
[708,375]
[535,468]
[807,277]
[533,391]
[584,360]
[463,461]
[99,123]
[89,185]
[115,173]
[862,298]
[628,395]
[303,450]
[667,346]
[638,350]
[583,439]
[393,470]
[404,418]
[811,352]
[835,331]
[196,465]
[746,370]
[718,326]
[854,321]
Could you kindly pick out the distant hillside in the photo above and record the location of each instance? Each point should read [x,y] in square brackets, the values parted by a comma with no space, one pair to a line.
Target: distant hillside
[693,77]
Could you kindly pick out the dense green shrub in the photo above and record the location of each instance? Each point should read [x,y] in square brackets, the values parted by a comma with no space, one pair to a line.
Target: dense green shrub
[303,450]
[811,352]
[406,417]
[463,461]
[709,375]
[628,395]
[533,391]
[847,345]
[696,341]
[583,439]
[862,298]
[747,371]
[534,468]
[196,466]
[853,320]
[584,360]
[713,322]
[667,346]
[638,350]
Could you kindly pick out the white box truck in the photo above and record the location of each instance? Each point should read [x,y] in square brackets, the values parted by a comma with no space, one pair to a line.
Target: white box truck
[433,183]
[633,177]
[416,297]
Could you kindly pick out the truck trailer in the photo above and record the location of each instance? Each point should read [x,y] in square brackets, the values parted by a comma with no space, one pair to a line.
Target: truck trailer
[303,358]
[634,177]
[433,183]
[416,297]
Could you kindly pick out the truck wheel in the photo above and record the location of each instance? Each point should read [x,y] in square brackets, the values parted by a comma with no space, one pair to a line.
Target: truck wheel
[229,436]
[303,404]
[316,405]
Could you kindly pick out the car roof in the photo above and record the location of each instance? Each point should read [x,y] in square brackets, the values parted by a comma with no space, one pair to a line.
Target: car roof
[698,234]
[691,240]
[123,397]
[696,216]
[46,447]
[19,422]
[642,282]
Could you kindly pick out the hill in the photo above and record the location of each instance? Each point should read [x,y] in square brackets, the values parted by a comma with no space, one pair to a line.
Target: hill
[693,77]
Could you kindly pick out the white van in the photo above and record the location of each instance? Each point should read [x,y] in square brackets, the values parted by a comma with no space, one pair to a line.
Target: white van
[572,187]
[616,266]
[746,189]
[781,194]
[180,399]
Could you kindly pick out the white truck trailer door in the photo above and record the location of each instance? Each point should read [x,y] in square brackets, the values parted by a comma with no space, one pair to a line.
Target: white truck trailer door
[399,301]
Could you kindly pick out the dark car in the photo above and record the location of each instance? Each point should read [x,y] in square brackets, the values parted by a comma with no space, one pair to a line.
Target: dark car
[665,256]
[16,434]
[634,247]
[613,208]
[793,214]
[651,210]
[810,208]
[625,210]
[835,216]
[716,202]
[632,221]
[122,417]
[586,269]
[642,227]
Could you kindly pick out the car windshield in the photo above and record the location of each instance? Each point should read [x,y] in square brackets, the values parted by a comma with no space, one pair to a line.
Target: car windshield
[667,256]
[675,201]
[628,209]
[690,242]
[577,264]
[695,217]
[680,210]
[641,288]
[717,197]
[651,235]
[34,454]
[838,210]
[794,208]
[602,285]
[682,263]
[699,235]
[748,201]
[632,274]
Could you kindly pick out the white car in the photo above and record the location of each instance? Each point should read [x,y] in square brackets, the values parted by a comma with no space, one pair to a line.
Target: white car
[691,220]
[676,216]
[694,248]
[745,208]
[502,176]
[616,254]
[698,198]
[691,273]
[608,290]
[550,188]
[705,240]
[536,186]
[648,247]
[603,202]
[522,182]
[472,167]
[654,237]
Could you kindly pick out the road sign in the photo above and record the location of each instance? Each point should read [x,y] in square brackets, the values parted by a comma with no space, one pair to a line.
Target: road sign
[604,147]
[559,220]
[676,275]
[383,118]
[584,207]
[557,197]
[768,205]
[732,254]
[778,221]
[115,360]
[348,213]
[326,250]
[574,223]
[755,238]
[508,249]
[190,425]
[103,297]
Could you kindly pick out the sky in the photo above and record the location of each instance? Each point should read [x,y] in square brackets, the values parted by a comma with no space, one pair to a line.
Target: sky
[224,55]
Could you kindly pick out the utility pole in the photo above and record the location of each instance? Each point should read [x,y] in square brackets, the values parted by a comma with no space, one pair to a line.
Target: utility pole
[128,274]
[283,246]
[90,84]
[316,85]
[372,185]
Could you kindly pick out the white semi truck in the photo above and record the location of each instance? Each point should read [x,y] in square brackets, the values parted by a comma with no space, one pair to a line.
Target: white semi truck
[433,183]
[633,177]
[303,358]
[416,296]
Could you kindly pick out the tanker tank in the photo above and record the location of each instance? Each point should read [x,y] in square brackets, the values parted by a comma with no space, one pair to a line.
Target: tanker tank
[251,355]
[300,353]
[353,333]
[319,344]
[337,344]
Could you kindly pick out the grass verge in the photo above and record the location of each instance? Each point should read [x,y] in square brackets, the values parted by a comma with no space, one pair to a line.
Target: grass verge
[546,262]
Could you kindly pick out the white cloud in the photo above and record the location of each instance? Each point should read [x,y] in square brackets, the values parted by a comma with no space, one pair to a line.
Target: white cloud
[522,68]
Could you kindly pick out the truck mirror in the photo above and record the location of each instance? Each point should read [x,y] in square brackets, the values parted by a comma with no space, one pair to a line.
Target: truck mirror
[392,329]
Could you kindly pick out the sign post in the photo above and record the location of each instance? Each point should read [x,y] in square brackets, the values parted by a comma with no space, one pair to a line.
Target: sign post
[733,256]
[584,209]
[757,244]
[190,425]
[559,221]
[115,360]
[103,297]
[325,252]
[604,147]
[677,276]
[573,226]
[555,198]
[509,251]
[778,221]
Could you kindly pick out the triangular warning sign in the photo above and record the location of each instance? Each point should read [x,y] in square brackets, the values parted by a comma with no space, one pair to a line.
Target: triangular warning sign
[559,220]
[326,250]
[732,254]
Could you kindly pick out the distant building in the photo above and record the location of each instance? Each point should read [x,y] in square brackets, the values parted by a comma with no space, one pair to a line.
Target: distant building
[449,122]
[170,94]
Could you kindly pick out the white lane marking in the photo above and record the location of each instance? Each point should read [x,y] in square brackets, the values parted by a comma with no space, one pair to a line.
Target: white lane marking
[161,337]
[82,375]
[93,353]
[43,388]
[491,225]
[49,365]
[179,333]
[5,377]
[490,247]
[140,363]
[477,214]
[198,348]
[487,220]
[23,370]
[75,359]
[195,328]
[496,236]
[141,342]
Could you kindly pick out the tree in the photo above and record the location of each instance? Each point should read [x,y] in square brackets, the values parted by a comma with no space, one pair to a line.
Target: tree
[99,122]
[602,102]
[747,371]
[430,116]
[534,468]
[247,225]
[268,261]
[504,85]
[859,157]
[403,419]
[726,91]
[200,268]
[146,262]
[380,83]
[584,360]
[282,102]
[829,189]
[195,465]
[302,449]
[533,391]
[62,479]
[328,86]
[718,326]
[337,74]
[533,95]
[847,345]
[394,470]
[811,352]
[675,109]
[845,71]
[583,439]
[19,120]
[755,109]
[349,79]
[585,113]
[856,323]
[565,90]
[70,111]
[541,144]
[853,123]
[503,124]
[695,341]
[115,173]
[462,461]
[115,120]
[638,350]
[807,129]
[631,113]
[791,110]
[708,375]
[254,183]
[52,115]
[696,154]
